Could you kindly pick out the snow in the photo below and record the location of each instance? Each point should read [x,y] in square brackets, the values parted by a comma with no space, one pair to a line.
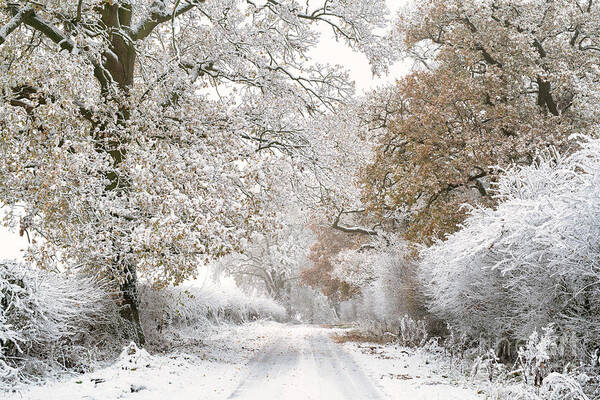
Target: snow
[132,358]
[209,368]
[404,373]
[263,360]
[303,363]
[11,244]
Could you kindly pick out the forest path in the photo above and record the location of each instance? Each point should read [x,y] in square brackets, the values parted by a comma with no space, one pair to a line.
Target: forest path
[303,363]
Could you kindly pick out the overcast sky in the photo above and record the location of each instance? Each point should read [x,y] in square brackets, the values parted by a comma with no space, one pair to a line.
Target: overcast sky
[328,51]
[10,243]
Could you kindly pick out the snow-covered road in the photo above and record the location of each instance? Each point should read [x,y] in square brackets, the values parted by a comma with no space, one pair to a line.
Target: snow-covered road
[305,364]
[264,361]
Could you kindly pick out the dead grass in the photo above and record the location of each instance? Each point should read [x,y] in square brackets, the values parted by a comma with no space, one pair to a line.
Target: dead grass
[336,326]
[361,337]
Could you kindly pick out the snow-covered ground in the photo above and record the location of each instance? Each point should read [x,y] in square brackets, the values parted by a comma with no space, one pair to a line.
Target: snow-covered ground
[263,360]
[407,374]
[207,369]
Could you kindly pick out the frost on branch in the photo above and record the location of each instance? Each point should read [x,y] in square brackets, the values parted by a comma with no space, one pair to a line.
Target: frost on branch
[49,322]
[154,142]
[533,260]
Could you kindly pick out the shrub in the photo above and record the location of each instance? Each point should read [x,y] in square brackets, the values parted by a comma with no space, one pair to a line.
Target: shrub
[50,322]
[165,311]
[532,261]
[542,373]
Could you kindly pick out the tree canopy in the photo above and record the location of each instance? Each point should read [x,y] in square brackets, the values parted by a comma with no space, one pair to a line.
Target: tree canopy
[143,136]
[496,82]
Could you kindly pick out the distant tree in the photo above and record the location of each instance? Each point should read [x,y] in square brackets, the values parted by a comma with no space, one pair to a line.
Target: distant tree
[496,82]
[272,260]
[136,133]
[320,274]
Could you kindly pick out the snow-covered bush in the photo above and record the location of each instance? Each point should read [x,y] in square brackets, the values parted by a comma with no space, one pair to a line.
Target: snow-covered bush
[405,330]
[557,387]
[540,372]
[310,305]
[532,261]
[391,304]
[177,307]
[51,322]
[536,355]
[412,333]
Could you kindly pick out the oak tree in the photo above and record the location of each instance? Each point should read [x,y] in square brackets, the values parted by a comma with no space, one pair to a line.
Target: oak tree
[496,82]
[134,133]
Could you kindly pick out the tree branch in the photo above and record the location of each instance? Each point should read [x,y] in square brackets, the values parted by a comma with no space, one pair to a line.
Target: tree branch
[30,19]
[14,22]
[50,31]
[351,229]
[157,17]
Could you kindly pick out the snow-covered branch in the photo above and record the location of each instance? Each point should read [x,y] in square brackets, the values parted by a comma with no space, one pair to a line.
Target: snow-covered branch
[14,22]
[158,15]
[351,229]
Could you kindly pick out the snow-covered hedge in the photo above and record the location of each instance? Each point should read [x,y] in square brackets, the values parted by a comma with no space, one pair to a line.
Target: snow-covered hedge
[199,306]
[50,322]
[532,261]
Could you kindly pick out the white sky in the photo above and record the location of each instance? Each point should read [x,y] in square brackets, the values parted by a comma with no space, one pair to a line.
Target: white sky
[11,244]
[328,51]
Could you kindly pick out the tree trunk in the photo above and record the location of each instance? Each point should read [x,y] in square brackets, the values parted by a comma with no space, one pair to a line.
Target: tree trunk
[130,306]
[115,17]
[117,67]
[336,309]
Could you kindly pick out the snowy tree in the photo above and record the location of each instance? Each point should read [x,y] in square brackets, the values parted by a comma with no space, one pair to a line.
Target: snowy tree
[322,257]
[495,81]
[272,260]
[386,273]
[138,136]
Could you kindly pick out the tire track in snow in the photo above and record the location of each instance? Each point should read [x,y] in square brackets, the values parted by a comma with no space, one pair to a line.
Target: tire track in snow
[304,364]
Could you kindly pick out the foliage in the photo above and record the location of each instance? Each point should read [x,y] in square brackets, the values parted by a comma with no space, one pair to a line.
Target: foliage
[387,278]
[498,81]
[271,261]
[168,312]
[320,275]
[145,136]
[535,356]
[51,323]
[544,373]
